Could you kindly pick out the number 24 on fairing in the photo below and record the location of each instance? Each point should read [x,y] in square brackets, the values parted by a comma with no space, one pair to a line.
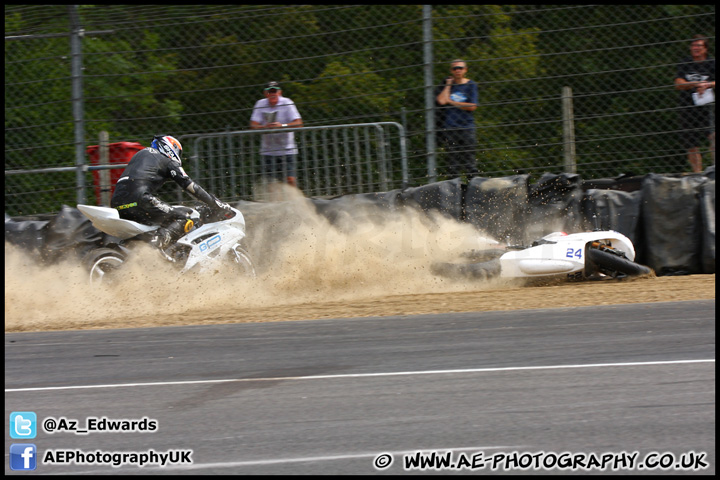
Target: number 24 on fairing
[572,252]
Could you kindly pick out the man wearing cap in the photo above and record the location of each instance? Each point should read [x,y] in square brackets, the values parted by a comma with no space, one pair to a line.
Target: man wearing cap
[278,149]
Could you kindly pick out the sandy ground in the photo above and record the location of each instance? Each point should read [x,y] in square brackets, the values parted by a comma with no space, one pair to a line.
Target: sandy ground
[363,264]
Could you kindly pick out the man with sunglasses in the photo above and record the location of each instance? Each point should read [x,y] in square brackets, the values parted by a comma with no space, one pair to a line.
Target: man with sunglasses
[458,99]
[278,150]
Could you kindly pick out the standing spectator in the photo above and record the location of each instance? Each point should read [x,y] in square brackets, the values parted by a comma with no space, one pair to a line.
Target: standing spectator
[696,74]
[458,98]
[278,150]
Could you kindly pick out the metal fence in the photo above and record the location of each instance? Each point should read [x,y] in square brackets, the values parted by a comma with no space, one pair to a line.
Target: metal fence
[332,160]
[72,72]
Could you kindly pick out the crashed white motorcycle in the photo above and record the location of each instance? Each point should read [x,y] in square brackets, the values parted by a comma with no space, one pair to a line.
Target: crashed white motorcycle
[211,243]
[576,256]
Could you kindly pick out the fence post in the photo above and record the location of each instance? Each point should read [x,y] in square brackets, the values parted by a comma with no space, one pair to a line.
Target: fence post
[104,174]
[429,90]
[76,33]
[570,165]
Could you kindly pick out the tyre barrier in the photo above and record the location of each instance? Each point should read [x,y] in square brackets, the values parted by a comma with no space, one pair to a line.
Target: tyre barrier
[670,220]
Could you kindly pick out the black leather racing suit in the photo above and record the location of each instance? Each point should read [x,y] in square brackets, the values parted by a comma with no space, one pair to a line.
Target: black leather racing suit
[134,195]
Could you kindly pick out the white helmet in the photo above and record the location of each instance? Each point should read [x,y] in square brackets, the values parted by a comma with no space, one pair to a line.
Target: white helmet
[168,146]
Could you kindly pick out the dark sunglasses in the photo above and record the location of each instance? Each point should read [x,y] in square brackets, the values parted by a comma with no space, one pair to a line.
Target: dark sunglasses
[272,89]
[458,68]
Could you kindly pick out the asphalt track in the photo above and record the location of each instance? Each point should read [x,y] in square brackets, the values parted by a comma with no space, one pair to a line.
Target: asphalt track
[332,396]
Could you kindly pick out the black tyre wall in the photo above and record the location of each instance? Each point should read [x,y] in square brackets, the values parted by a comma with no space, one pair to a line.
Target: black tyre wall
[673,224]
[498,206]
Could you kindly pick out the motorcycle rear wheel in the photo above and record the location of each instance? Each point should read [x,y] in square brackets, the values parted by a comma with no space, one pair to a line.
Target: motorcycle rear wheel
[102,264]
[614,264]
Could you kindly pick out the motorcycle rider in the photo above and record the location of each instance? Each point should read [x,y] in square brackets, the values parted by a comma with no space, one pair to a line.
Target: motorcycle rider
[147,171]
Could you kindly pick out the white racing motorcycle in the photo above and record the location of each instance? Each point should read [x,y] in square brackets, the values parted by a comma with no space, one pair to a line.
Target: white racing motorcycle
[576,256]
[209,244]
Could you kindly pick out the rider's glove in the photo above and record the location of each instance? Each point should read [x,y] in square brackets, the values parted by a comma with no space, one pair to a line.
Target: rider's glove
[227,214]
[223,210]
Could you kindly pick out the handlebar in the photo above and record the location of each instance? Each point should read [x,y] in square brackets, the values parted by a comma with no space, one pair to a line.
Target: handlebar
[209,215]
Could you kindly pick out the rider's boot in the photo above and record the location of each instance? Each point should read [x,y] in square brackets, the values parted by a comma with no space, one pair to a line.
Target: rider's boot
[166,236]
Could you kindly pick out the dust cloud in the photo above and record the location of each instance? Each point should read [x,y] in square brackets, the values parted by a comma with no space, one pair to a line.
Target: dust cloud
[301,257]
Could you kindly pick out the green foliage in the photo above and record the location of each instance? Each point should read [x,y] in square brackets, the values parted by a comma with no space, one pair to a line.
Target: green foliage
[349,84]
[191,70]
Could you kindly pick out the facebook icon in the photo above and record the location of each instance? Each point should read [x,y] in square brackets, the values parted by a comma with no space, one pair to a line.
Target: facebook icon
[23,456]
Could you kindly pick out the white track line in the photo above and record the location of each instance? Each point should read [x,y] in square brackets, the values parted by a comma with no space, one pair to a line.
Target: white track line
[359,375]
[326,458]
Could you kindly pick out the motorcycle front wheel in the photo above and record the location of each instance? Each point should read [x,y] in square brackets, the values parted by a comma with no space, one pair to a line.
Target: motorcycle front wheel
[242,260]
[614,264]
[103,264]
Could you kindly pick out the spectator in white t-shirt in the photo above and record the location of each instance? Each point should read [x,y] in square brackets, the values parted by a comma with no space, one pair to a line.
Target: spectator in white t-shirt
[278,150]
